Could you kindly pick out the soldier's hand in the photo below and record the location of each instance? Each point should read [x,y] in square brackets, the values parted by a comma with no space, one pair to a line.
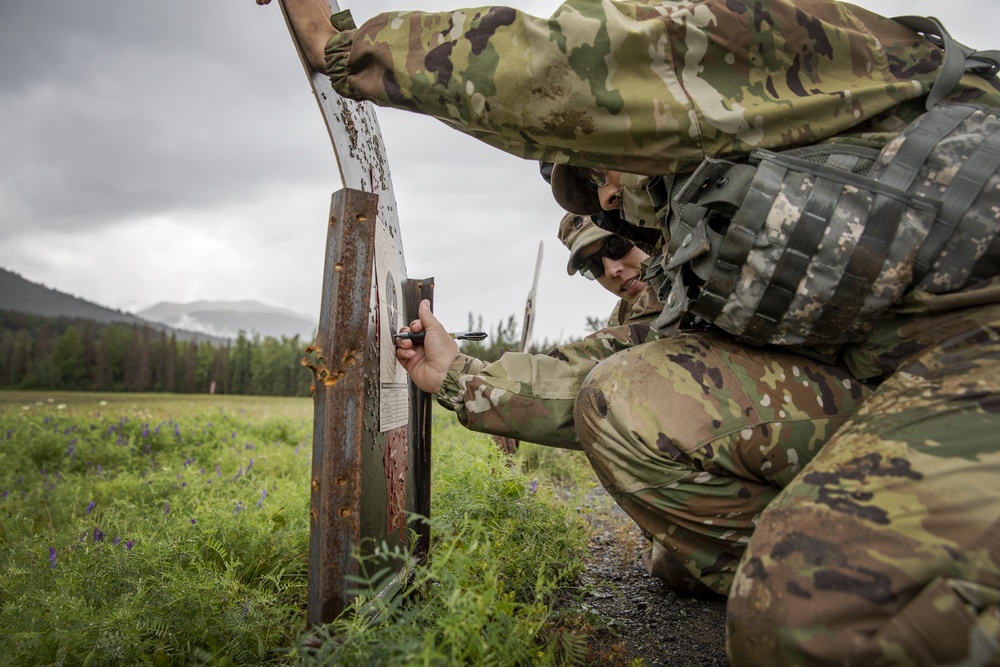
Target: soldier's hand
[427,363]
[310,20]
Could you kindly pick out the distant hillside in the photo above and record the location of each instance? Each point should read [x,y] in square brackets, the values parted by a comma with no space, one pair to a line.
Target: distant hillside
[228,318]
[21,295]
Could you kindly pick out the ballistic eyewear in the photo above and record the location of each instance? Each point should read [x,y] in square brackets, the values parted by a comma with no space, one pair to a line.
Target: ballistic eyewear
[614,248]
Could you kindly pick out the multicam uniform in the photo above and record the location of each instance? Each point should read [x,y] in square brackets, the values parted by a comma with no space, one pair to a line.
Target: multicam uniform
[885,548]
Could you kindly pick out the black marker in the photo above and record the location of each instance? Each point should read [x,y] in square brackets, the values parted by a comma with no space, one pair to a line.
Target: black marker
[461,335]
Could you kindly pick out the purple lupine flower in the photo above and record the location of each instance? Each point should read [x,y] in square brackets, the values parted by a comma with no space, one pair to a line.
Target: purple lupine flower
[52,557]
[234,435]
[157,431]
[3,495]
[533,486]
[297,449]
[177,430]
[249,446]
[239,507]
[90,507]
[9,432]
[19,479]
[145,430]
[218,470]
[129,544]
[118,538]
[98,535]
[263,494]
[238,474]
[100,470]
[166,507]
[69,452]
[249,465]
[73,441]
[194,521]
[203,471]
[246,608]
[121,441]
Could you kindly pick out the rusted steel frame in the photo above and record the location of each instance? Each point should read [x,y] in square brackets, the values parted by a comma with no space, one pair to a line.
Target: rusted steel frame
[420,429]
[339,400]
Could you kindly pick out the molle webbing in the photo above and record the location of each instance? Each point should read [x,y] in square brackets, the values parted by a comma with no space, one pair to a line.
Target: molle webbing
[816,243]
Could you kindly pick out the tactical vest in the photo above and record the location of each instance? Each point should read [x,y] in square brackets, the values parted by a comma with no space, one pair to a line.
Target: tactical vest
[809,246]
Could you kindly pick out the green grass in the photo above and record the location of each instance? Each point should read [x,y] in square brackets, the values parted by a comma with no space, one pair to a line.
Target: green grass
[151,529]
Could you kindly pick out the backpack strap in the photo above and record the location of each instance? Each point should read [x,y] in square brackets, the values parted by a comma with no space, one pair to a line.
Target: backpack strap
[958,58]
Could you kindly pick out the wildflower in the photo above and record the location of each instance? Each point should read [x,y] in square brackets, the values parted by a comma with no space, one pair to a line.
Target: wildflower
[157,431]
[250,465]
[194,521]
[166,507]
[533,486]
[100,469]
[177,430]
[61,406]
[249,446]
[129,544]
[103,403]
[218,470]
[98,535]
[263,494]
[234,435]
[72,448]
[52,557]
[239,507]
[145,430]
[246,608]
[118,538]
[238,474]
[90,507]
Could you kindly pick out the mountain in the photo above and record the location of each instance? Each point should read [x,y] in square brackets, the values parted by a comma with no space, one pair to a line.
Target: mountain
[22,295]
[228,318]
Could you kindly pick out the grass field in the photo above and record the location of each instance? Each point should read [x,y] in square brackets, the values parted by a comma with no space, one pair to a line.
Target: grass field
[173,530]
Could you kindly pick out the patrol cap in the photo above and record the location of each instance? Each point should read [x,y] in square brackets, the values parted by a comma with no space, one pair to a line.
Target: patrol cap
[574,191]
[577,232]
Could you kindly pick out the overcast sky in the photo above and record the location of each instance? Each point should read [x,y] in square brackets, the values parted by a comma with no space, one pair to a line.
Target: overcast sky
[172,151]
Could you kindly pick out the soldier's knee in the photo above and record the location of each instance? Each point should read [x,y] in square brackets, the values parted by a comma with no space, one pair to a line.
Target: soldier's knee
[598,401]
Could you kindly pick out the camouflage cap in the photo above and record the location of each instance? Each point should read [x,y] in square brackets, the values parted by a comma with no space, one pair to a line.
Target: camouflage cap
[576,232]
[574,191]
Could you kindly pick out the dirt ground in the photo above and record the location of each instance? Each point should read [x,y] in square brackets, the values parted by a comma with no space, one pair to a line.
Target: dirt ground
[642,618]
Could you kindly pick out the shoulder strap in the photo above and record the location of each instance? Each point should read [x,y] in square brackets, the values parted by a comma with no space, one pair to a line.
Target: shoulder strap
[958,58]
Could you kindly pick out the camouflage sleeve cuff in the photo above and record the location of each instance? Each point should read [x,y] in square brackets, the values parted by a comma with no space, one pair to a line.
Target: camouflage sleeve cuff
[339,47]
[451,394]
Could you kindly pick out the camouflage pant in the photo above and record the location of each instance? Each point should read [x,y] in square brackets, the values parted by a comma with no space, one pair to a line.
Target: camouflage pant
[695,435]
[886,549]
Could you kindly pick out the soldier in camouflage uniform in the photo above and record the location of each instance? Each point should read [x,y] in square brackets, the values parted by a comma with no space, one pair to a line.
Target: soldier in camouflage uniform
[751,419]
[885,548]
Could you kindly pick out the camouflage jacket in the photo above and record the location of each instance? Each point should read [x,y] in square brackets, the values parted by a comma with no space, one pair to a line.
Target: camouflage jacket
[530,397]
[704,78]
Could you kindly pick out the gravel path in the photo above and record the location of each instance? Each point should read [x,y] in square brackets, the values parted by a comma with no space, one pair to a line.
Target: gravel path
[642,618]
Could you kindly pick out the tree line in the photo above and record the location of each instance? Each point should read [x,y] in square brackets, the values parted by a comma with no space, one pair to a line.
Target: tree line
[64,353]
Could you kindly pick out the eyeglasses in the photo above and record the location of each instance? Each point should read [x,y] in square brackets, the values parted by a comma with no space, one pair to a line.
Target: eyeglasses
[614,248]
[598,177]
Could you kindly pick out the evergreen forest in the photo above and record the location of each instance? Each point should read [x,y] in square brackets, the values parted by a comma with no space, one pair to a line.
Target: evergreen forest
[66,353]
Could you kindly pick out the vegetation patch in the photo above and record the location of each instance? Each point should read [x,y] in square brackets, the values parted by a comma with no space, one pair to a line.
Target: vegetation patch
[161,530]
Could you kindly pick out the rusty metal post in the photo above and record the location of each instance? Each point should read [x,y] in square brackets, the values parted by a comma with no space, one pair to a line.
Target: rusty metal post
[420,416]
[339,400]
